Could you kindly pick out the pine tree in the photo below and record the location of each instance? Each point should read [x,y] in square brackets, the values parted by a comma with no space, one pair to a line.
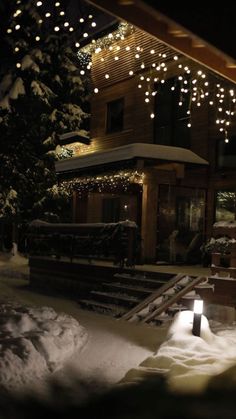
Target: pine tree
[42,95]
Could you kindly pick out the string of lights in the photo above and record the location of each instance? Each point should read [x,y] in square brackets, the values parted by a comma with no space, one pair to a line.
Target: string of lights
[109,181]
[194,85]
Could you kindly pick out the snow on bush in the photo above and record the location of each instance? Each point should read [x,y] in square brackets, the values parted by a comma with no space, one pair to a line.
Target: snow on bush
[35,342]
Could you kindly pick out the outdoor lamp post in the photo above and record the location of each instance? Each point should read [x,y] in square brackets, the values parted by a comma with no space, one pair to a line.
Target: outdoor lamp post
[197,314]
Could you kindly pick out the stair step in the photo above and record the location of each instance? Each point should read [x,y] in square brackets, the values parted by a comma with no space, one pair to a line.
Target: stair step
[103,307]
[129,289]
[139,280]
[116,298]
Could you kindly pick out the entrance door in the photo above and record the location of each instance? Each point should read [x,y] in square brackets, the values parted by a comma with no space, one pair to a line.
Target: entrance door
[180,224]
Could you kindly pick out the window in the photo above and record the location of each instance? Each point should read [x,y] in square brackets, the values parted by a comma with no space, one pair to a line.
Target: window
[171,122]
[225,206]
[226,154]
[110,210]
[115,115]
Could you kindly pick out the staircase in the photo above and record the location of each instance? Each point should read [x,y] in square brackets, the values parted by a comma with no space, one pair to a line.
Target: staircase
[161,306]
[138,298]
[123,292]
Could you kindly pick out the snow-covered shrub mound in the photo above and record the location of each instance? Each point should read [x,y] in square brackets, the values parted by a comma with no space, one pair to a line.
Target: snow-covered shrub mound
[35,342]
[188,361]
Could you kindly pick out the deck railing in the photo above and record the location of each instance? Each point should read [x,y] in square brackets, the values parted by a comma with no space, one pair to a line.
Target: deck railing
[119,242]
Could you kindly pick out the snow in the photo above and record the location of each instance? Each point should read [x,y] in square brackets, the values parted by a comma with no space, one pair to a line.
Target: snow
[188,361]
[229,224]
[34,342]
[113,349]
[5,84]
[28,63]
[130,151]
[17,89]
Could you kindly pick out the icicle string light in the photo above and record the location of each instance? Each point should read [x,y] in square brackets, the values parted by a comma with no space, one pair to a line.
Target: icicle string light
[113,181]
[193,84]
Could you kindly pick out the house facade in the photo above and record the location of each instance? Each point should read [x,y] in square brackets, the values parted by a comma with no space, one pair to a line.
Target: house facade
[162,147]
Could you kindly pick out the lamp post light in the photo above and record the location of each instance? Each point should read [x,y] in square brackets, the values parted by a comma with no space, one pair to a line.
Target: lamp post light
[197,315]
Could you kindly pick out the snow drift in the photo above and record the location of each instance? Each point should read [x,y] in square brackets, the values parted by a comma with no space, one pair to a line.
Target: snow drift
[35,342]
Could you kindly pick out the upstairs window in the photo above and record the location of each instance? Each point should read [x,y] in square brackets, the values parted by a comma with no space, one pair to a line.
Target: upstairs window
[115,116]
[226,154]
[172,117]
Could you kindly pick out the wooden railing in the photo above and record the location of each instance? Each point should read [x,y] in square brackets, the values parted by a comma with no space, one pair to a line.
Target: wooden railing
[119,242]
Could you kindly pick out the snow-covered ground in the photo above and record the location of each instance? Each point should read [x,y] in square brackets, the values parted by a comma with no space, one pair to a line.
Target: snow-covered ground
[112,347]
[117,350]
[34,342]
[190,362]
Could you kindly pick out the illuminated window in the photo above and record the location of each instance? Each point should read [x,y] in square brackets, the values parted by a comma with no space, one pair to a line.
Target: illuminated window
[225,205]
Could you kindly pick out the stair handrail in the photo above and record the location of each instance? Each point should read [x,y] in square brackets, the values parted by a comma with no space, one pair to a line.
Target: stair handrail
[173,299]
[170,283]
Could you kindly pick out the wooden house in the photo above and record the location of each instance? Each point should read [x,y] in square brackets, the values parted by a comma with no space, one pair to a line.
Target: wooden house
[162,146]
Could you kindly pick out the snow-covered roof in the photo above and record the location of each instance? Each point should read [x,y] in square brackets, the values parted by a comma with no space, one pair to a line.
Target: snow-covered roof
[128,152]
[74,136]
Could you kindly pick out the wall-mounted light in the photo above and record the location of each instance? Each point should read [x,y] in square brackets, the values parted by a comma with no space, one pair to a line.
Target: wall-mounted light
[197,315]
[126,2]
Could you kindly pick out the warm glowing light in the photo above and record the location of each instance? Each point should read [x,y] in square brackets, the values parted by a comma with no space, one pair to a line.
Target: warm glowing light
[17,27]
[95,90]
[39,3]
[152,115]
[198,306]
[37,38]
[85,35]
[18,65]
[66,24]
[107,76]
[48,14]
[77,44]
[56,29]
